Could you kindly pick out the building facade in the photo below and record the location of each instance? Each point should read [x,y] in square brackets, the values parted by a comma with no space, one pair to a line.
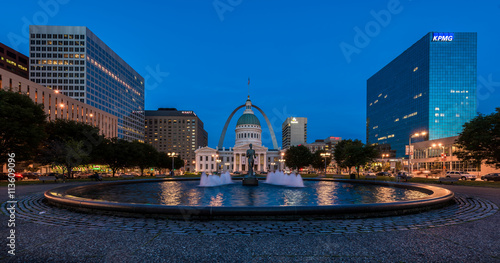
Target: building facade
[430,87]
[173,131]
[294,132]
[13,61]
[59,106]
[248,131]
[439,155]
[75,62]
[327,144]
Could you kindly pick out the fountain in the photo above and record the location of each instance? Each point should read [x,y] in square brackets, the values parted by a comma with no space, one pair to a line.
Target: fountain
[215,180]
[280,178]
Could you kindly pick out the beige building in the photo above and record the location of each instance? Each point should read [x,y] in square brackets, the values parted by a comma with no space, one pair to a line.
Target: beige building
[59,106]
[440,155]
[173,131]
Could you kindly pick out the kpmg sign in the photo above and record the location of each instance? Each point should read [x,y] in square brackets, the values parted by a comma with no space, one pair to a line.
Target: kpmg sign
[443,37]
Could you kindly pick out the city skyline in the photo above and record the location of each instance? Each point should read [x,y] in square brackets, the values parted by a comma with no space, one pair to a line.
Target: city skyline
[297,56]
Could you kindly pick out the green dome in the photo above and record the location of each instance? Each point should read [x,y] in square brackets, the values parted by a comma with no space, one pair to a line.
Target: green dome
[248,119]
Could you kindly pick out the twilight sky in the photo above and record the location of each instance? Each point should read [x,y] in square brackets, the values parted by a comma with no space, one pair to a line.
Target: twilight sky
[198,55]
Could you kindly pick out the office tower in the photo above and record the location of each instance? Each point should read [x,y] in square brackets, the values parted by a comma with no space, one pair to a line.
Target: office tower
[13,61]
[429,88]
[170,130]
[294,131]
[75,62]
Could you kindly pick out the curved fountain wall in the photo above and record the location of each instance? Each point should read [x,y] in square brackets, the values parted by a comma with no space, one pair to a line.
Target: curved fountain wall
[438,197]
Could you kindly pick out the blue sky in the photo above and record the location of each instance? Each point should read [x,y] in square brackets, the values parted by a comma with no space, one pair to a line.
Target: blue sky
[204,51]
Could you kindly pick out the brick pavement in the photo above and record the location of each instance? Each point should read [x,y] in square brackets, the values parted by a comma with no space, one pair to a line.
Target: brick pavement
[32,208]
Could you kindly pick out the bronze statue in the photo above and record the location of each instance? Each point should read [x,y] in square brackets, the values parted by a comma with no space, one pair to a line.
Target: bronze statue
[251,157]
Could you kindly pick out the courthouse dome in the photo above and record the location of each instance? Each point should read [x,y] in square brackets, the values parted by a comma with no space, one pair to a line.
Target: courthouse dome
[248,118]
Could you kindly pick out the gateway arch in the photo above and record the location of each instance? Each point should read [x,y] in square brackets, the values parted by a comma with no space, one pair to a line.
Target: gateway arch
[223,134]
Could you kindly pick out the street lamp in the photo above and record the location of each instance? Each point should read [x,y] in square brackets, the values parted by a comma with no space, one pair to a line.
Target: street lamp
[273,164]
[325,155]
[172,155]
[443,156]
[217,162]
[282,160]
[410,166]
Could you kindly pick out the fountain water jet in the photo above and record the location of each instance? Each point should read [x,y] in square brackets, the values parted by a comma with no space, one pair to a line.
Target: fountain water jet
[215,180]
[280,178]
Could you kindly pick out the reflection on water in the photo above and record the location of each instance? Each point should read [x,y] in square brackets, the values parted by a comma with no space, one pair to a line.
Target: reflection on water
[188,193]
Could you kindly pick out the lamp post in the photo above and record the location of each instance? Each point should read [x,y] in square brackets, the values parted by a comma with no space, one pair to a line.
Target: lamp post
[325,155]
[282,160]
[218,163]
[273,164]
[172,155]
[442,154]
[384,155]
[410,166]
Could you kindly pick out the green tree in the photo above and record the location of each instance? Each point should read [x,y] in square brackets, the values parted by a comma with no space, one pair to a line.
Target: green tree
[298,157]
[69,144]
[480,140]
[22,126]
[349,153]
[143,155]
[318,161]
[115,153]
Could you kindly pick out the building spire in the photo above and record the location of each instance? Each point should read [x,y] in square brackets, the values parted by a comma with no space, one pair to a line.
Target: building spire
[248,87]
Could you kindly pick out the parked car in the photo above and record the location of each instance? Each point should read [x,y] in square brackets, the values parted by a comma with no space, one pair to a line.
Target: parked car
[461,175]
[383,174]
[369,173]
[30,176]
[491,177]
[5,176]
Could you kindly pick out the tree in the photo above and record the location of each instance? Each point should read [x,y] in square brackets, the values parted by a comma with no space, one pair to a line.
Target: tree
[115,153]
[70,144]
[22,126]
[480,140]
[298,157]
[349,153]
[143,155]
[318,161]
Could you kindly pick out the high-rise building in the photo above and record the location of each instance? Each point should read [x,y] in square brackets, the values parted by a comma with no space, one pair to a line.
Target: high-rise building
[294,132]
[13,61]
[430,87]
[74,61]
[170,130]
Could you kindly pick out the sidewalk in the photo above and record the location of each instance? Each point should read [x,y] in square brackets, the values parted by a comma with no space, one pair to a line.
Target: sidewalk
[64,236]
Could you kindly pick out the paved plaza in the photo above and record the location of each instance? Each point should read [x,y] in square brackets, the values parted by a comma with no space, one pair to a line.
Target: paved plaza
[466,231]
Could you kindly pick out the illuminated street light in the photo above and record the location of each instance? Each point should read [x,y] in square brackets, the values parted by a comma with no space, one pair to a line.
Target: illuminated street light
[410,166]
[172,155]
[325,155]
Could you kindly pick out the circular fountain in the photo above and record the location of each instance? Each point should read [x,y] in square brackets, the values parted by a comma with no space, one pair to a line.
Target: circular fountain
[283,195]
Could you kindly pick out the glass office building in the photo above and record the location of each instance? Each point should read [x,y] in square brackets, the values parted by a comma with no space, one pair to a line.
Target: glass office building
[430,87]
[75,62]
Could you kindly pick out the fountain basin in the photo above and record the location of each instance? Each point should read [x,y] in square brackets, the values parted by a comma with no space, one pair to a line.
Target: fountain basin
[75,198]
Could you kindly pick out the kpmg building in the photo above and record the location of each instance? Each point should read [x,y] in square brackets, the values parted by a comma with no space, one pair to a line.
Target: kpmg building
[76,63]
[430,87]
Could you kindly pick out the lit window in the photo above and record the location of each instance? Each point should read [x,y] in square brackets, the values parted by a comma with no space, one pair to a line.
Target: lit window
[415,69]
[436,108]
